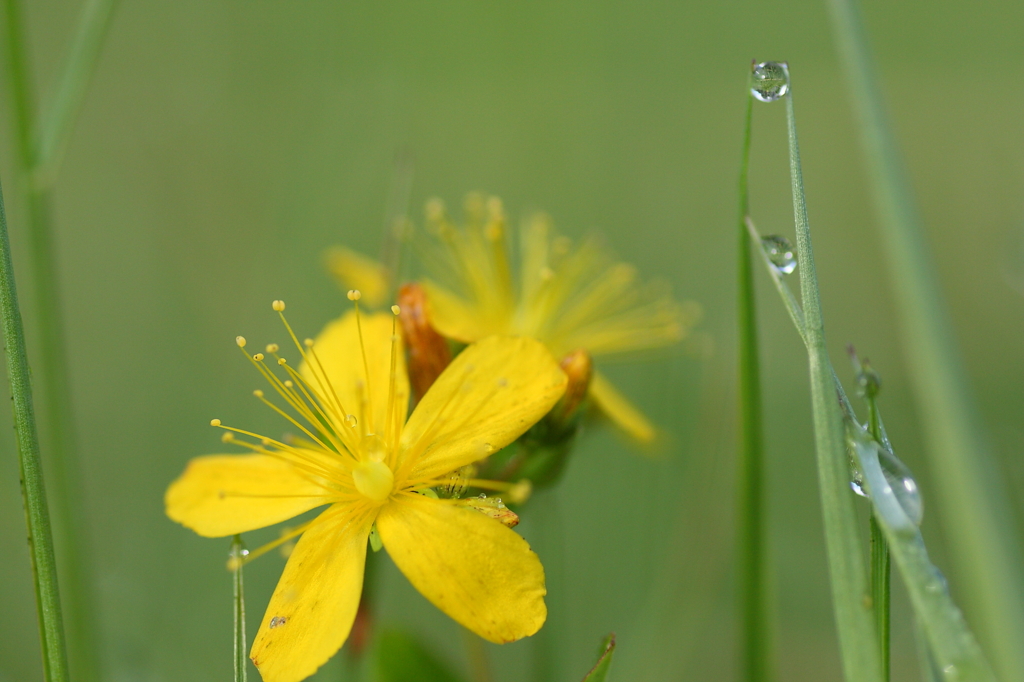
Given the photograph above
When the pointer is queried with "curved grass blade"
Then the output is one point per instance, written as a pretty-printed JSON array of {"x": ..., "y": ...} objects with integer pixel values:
[{"x": 850, "y": 591}]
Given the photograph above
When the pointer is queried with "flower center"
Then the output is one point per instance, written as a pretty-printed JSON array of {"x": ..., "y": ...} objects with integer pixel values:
[{"x": 373, "y": 479}]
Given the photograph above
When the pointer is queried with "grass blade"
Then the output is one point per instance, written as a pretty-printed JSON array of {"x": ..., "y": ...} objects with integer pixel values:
[
  {"x": 755, "y": 662},
  {"x": 857, "y": 637},
  {"x": 37, "y": 515},
  {"x": 983, "y": 545}
]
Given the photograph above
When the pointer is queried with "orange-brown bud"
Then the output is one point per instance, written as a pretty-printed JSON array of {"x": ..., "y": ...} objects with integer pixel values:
[
  {"x": 578, "y": 366},
  {"x": 428, "y": 351}
]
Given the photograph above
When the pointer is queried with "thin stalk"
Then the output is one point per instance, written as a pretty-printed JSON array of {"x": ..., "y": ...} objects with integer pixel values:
[
  {"x": 983, "y": 543},
  {"x": 755, "y": 646},
  {"x": 238, "y": 594},
  {"x": 58, "y": 119},
  {"x": 479, "y": 661},
  {"x": 880, "y": 591},
  {"x": 857, "y": 637},
  {"x": 880, "y": 571},
  {"x": 37, "y": 515},
  {"x": 52, "y": 370}
]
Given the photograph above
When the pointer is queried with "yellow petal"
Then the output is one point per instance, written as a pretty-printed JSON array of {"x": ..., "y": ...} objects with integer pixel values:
[
  {"x": 340, "y": 354},
  {"x": 220, "y": 495},
  {"x": 457, "y": 318},
  {"x": 356, "y": 271},
  {"x": 618, "y": 408},
  {"x": 491, "y": 393},
  {"x": 315, "y": 602},
  {"x": 476, "y": 570}
]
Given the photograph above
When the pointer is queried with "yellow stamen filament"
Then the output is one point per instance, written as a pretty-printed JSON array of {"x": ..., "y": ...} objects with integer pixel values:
[
  {"x": 234, "y": 563},
  {"x": 354, "y": 296}
]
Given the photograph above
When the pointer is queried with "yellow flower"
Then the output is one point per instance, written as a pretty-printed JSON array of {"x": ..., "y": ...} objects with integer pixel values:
[
  {"x": 360, "y": 456},
  {"x": 567, "y": 298}
]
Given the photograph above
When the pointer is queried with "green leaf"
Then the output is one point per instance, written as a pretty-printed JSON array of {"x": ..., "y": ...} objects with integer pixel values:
[
  {"x": 600, "y": 670},
  {"x": 401, "y": 658}
]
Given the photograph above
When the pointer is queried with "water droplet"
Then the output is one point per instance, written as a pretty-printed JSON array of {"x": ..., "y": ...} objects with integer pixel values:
[
  {"x": 770, "y": 81},
  {"x": 352, "y": 421},
  {"x": 858, "y": 487},
  {"x": 780, "y": 253},
  {"x": 891, "y": 483},
  {"x": 869, "y": 383},
  {"x": 277, "y": 621},
  {"x": 903, "y": 485},
  {"x": 951, "y": 673}
]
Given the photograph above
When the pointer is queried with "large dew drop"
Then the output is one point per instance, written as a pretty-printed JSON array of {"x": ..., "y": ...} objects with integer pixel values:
[
  {"x": 903, "y": 485},
  {"x": 770, "y": 81},
  {"x": 780, "y": 253},
  {"x": 891, "y": 484}
]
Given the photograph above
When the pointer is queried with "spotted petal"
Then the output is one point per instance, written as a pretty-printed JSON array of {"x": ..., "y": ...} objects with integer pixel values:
[
  {"x": 491, "y": 393},
  {"x": 221, "y": 495},
  {"x": 476, "y": 570},
  {"x": 315, "y": 602}
]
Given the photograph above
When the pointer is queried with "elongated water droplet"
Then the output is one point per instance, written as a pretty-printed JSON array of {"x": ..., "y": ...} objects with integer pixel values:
[
  {"x": 770, "y": 81},
  {"x": 895, "y": 487},
  {"x": 277, "y": 621},
  {"x": 903, "y": 485},
  {"x": 780, "y": 253}
]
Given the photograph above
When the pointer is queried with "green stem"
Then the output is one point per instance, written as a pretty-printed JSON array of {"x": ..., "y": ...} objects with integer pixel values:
[
  {"x": 983, "y": 544},
  {"x": 880, "y": 571},
  {"x": 58, "y": 120},
  {"x": 857, "y": 637},
  {"x": 52, "y": 370},
  {"x": 755, "y": 649},
  {"x": 37, "y": 515},
  {"x": 880, "y": 591},
  {"x": 238, "y": 593}
]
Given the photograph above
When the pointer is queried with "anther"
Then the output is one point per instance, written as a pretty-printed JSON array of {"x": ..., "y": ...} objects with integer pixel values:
[
  {"x": 214, "y": 422},
  {"x": 354, "y": 295},
  {"x": 227, "y": 437},
  {"x": 258, "y": 393},
  {"x": 265, "y": 442},
  {"x": 273, "y": 348},
  {"x": 308, "y": 343},
  {"x": 282, "y": 361},
  {"x": 288, "y": 383},
  {"x": 395, "y": 309},
  {"x": 258, "y": 357},
  {"x": 240, "y": 340},
  {"x": 278, "y": 306}
]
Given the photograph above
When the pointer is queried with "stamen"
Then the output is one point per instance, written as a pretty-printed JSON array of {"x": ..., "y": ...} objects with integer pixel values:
[
  {"x": 278, "y": 306},
  {"x": 240, "y": 340},
  {"x": 354, "y": 296},
  {"x": 235, "y": 562},
  {"x": 214, "y": 422},
  {"x": 272, "y": 348},
  {"x": 392, "y": 430}
]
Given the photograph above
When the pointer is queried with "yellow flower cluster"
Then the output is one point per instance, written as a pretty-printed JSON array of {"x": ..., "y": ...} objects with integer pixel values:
[{"x": 377, "y": 470}]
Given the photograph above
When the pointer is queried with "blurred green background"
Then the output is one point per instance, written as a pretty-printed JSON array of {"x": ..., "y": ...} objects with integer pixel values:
[{"x": 224, "y": 145}]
